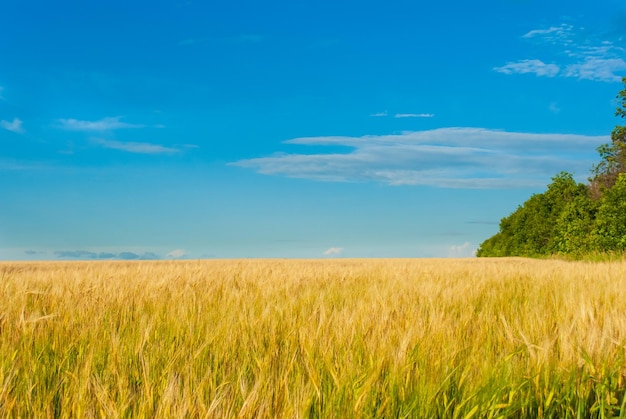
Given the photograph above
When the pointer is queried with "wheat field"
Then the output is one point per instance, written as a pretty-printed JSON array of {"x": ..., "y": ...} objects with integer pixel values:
[{"x": 455, "y": 338}]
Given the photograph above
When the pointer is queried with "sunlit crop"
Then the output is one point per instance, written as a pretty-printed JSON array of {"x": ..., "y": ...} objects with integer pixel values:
[{"x": 334, "y": 338}]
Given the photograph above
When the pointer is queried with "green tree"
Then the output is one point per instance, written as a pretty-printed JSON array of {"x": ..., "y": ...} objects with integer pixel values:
[
  {"x": 610, "y": 231},
  {"x": 531, "y": 229},
  {"x": 572, "y": 218},
  {"x": 574, "y": 231},
  {"x": 612, "y": 155}
]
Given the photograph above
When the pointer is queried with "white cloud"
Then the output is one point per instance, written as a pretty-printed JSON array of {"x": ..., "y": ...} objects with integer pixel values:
[
  {"x": 537, "y": 67},
  {"x": 133, "y": 147},
  {"x": 105, "y": 124},
  {"x": 580, "y": 55},
  {"x": 414, "y": 115},
  {"x": 598, "y": 69},
  {"x": 333, "y": 251},
  {"x": 537, "y": 32},
  {"x": 1, "y": 90},
  {"x": 445, "y": 157},
  {"x": 555, "y": 34},
  {"x": 13, "y": 126},
  {"x": 176, "y": 254},
  {"x": 404, "y": 115},
  {"x": 464, "y": 250}
]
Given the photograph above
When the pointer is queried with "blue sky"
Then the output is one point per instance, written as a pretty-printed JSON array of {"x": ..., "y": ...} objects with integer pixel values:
[{"x": 206, "y": 129}]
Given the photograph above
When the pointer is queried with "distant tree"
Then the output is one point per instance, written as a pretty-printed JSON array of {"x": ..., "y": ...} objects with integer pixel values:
[
  {"x": 575, "y": 228},
  {"x": 493, "y": 246},
  {"x": 571, "y": 218},
  {"x": 531, "y": 229},
  {"x": 613, "y": 155},
  {"x": 610, "y": 231}
]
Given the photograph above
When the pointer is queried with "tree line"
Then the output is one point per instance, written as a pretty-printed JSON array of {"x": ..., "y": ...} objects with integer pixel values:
[{"x": 570, "y": 218}]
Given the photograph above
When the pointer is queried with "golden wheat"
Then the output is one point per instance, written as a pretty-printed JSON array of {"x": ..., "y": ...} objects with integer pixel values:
[{"x": 339, "y": 338}]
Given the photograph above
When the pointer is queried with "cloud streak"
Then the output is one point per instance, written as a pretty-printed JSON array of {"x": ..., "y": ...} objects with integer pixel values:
[
  {"x": 86, "y": 254},
  {"x": 105, "y": 124},
  {"x": 134, "y": 147},
  {"x": 465, "y": 250},
  {"x": 600, "y": 69},
  {"x": 13, "y": 126},
  {"x": 555, "y": 35},
  {"x": 445, "y": 157},
  {"x": 403, "y": 115},
  {"x": 580, "y": 56},
  {"x": 537, "y": 67},
  {"x": 414, "y": 115},
  {"x": 176, "y": 254},
  {"x": 333, "y": 251}
]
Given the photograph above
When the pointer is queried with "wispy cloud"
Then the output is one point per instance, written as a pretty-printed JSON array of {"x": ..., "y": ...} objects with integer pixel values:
[
  {"x": 333, "y": 251},
  {"x": 414, "y": 115},
  {"x": 579, "y": 55},
  {"x": 464, "y": 250},
  {"x": 86, "y": 254},
  {"x": 133, "y": 147},
  {"x": 176, "y": 254},
  {"x": 556, "y": 35},
  {"x": 2, "y": 90},
  {"x": 600, "y": 69},
  {"x": 445, "y": 157},
  {"x": 537, "y": 67},
  {"x": 403, "y": 115},
  {"x": 13, "y": 126},
  {"x": 105, "y": 124}
]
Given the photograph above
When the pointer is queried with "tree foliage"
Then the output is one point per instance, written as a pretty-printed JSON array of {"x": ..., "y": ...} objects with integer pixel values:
[
  {"x": 534, "y": 228},
  {"x": 572, "y": 218},
  {"x": 610, "y": 231},
  {"x": 613, "y": 155}
]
